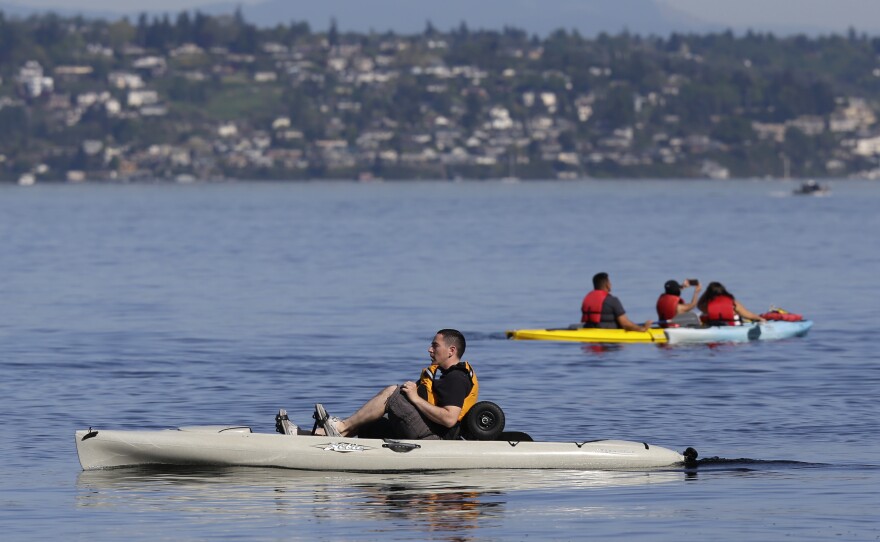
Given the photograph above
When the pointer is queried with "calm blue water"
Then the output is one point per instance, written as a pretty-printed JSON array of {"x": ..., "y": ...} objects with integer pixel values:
[{"x": 153, "y": 306}]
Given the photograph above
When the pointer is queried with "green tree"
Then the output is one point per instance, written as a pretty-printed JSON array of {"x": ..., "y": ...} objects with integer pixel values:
[
  {"x": 15, "y": 126},
  {"x": 616, "y": 109},
  {"x": 733, "y": 130}
]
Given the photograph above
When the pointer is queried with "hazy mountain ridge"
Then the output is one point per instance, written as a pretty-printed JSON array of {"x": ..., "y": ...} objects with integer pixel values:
[
  {"x": 612, "y": 16},
  {"x": 13, "y": 9},
  {"x": 406, "y": 16},
  {"x": 589, "y": 17}
]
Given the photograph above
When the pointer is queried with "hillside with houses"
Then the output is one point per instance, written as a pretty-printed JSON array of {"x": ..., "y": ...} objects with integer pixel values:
[{"x": 214, "y": 97}]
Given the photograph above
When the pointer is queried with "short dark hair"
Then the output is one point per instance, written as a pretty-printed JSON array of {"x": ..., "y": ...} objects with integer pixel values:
[
  {"x": 600, "y": 280},
  {"x": 672, "y": 287},
  {"x": 454, "y": 338}
]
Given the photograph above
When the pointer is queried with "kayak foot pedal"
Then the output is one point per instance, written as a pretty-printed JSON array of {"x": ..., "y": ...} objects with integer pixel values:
[{"x": 400, "y": 447}]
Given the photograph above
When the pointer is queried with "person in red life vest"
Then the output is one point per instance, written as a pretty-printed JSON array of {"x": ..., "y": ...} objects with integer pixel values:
[
  {"x": 719, "y": 307},
  {"x": 670, "y": 304},
  {"x": 601, "y": 309},
  {"x": 429, "y": 409}
]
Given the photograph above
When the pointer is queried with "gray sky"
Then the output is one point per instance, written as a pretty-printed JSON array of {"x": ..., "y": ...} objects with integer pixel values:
[
  {"x": 123, "y": 5},
  {"x": 834, "y": 14}
]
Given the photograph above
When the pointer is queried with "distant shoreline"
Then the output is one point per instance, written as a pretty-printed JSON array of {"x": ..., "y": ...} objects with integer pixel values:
[{"x": 202, "y": 97}]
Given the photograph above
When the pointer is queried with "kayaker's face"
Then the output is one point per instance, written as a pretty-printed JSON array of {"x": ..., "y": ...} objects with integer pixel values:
[{"x": 439, "y": 350}]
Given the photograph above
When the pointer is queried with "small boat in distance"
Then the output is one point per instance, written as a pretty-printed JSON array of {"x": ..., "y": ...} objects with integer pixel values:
[{"x": 811, "y": 188}]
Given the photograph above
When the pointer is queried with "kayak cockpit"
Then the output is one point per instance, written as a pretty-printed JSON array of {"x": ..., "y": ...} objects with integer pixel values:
[{"x": 215, "y": 429}]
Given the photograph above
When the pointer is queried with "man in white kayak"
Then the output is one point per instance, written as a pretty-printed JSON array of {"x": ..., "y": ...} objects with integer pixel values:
[{"x": 429, "y": 409}]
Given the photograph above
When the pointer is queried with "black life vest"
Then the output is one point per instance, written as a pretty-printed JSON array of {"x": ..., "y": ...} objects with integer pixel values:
[{"x": 426, "y": 385}]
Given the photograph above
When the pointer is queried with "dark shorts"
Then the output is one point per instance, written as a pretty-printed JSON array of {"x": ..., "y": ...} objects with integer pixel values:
[{"x": 406, "y": 422}]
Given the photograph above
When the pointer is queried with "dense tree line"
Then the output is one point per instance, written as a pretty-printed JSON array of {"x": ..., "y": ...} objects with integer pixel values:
[{"x": 783, "y": 78}]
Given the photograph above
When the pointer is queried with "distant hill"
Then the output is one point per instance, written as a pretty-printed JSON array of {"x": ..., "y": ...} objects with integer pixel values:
[
  {"x": 18, "y": 10},
  {"x": 541, "y": 17}
]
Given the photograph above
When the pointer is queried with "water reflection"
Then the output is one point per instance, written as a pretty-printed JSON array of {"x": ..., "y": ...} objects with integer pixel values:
[
  {"x": 450, "y": 502},
  {"x": 600, "y": 348}
]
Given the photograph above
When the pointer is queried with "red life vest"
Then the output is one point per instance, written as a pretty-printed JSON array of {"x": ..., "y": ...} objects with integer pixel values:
[
  {"x": 720, "y": 311},
  {"x": 667, "y": 306},
  {"x": 591, "y": 308}
]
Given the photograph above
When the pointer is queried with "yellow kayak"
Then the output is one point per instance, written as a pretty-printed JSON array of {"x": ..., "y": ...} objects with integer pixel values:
[{"x": 589, "y": 335}]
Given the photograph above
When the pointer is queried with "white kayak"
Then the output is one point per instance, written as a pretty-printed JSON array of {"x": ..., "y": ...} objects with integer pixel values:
[
  {"x": 222, "y": 446},
  {"x": 768, "y": 331}
]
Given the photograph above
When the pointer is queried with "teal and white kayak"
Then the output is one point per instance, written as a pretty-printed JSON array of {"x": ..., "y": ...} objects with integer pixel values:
[
  {"x": 223, "y": 446},
  {"x": 768, "y": 331},
  {"x": 771, "y": 330}
]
